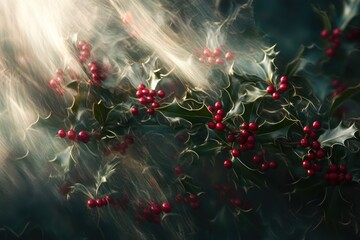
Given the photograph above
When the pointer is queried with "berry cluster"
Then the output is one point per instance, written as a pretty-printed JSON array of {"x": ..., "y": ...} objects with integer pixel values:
[
  {"x": 219, "y": 114},
  {"x": 152, "y": 212},
  {"x": 259, "y": 158},
  {"x": 84, "y": 49},
  {"x": 338, "y": 87},
  {"x": 57, "y": 81},
  {"x": 82, "y": 136},
  {"x": 100, "y": 202},
  {"x": 148, "y": 98},
  {"x": 245, "y": 137},
  {"x": 97, "y": 73},
  {"x": 283, "y": 87},
  {"x": 334, "y": 38},
  {"x": 315, "y": 152},
  {"x": 216, "y": 56},
  {"x": 192, "y": 199},
  {"x": 337, "y": 174},
  {"x": 122, "y": 146}
]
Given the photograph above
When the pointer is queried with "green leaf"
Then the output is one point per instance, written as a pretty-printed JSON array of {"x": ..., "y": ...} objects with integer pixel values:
[
  {"x": 193, "y": 115},
  {"x": 100, "y": 112},
  {"x": 337, "y": 135},
  {"x": 249, "y": 175},
  {"x": 348, "y": 93},
  {"x": 267, "y": 128},
  {"x": 189, "y": 185},
  {"x": 324, "y": 17},
  {"x": 64, "y": 158},
  {"x": 350, "y": 10}
]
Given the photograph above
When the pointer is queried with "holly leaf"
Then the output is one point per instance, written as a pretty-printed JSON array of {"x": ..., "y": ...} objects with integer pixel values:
[
  {"x": 337, "y": 135},
  {"x": 267, "y": 127},
  {"x": 193, "y": 115},
  {"x": 100, "y": 112},
  {"x": 348, "y": 93},
  {"x": 64, "y": 158},
  {"x": 350, "y": 10},
  {"x": 189, "y": 185}
]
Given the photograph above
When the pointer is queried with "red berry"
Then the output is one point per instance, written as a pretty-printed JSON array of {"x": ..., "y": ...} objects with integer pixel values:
[
  {"x": 264, "y": 166},
  {"x": 235, "y": 152},
  {"x": 229, "y": 55},
  {"x": 109, "y": 199},
  {"x": 342, "y": 168},
  {"x": 250, "y": 140},
  {"x": 324, "y": 33},
  {"x": 53, "y": 84},
  {"x": 317, "y": 168},
  {"x": 231, "y": 138},
  {"x": 211, "y": 125},
  {"x": 218, "y": 105},
  {"x": 304, "y": 142},
  {"x": 80, "y": 44},
  {"x": 283, "y": 87},
  {"x": 195, "y": 205},
  {"x": 161, "y": 93},
  {"x": 62, "y": 133},
  {"x": 313, "y": 135},
  {"x": 211, "y": 109},
  {"x": 155, "y": 105},
  {"x": 217, "y": 52},
  {"x": 219, "y": 126},
  {"x": 134, "y": 111},
  {"x": 333, "y": 177},
  {"x": 220, "y": 112},
  {"x": 166, "y": 207},
  {"x": 193, "y": 198},
  {"x": 228, "y": 164},
  {"x": 337, "y": 32},
  {"x": 149, "y": 99},
  {"x": 201, "y": 59},
  {"x": 245, "y": 126},
  {"x": 310, "y": 155},
  {"x": 284, "y": 79},
  {"x": 341, "y": 177},
  {"x": 330, "y": 52},
  {"x": 83, "y": 136},
  {"x": 306, "y": 164},
  {"x": 307, "y": 129},
  {"x": 270, "y": 89},
  {"x": 316, "y": 125},
  {"x": 71, "y": 134},
  {"x": 150, "y": 111},
  {"x": 253, "y": 126},
  {"x": 143, "y": 100},
  {"x": 101, "y": 202},
  {"x": 178, "y": 198},
  {"x": 311, "y": 172},
  {"x": 335, "y": 83},
  {"x": 155, "y": 208},
  {"x": 332, "y": 168},
  {"x": 256, "y": 159},
  {"x": 321, "y": 153},
  {"x": 210, "y": 60},
  {"x": 348, "y": 177},
  {"x": 244, "y": 133},
  {"x": 219, "y": 61},
  {"x": 218, "y": 118},
  {"x": 86, "y": 47},
  {"x": 207, "y": 52},
  {"x": 152, "y": 93},
  {"x": 315, "y": 145},
  {"x": 91, "y": 203},
  {"x": 141, "y": 87},
  {"x": 276, "y": 95},
  {"x": 94, "y": 69},
  {"x": 273, "y": 164},
  {"x": 145, "y": 91},
  {"x": 178, "y": 170}
]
